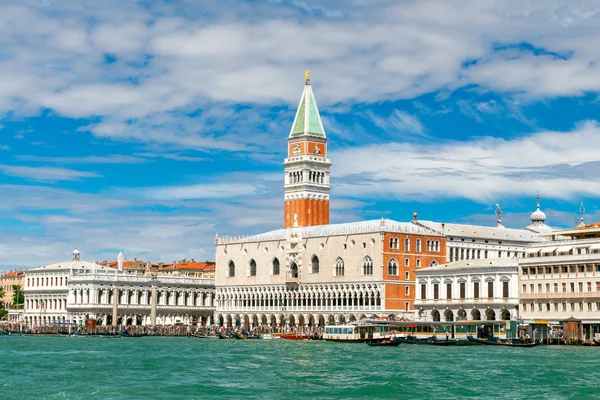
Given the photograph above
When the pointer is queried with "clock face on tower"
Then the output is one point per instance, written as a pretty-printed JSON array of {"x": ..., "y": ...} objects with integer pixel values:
[
  {"x": 316, "y": 150},
  {"x": 296, "y": 150}
]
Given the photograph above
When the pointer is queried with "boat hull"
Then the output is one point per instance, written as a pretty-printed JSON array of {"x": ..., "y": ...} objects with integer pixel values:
[{"x": 501, "y": 343}]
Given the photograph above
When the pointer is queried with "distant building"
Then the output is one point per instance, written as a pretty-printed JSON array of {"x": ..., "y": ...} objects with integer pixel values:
[
  {"x": 484, "y": 289},
  {"x": 560, "y": 279},
  {"x": 76, "y": 290},
  {"x": 476, "y": 242},
  {"x": 7, "y": 281}
]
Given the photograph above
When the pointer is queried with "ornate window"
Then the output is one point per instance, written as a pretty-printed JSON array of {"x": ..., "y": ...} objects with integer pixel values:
[
  {"x": 315, "y": 265},
  {"x": 407, "y": 244},
  {"x": 433, "y": 263},
  {"x": 394, "y": 243},
  {"x": 276, "y": 266},
  {"x": 294, "y": 270},
  {"x": 368, "y": 266},
  {"x": 418, "y": 245},
  {"x": 231, "y": 268},
  {"x": 252, "y": 271},
  {"x": 393, "y": 267},
  {"x": 339, "y": 267}
]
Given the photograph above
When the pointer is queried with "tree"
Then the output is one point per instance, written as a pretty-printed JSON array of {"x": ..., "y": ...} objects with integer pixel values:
[
  {"x": 18, "y": 296},
  {"x": 3, "y": 312}
]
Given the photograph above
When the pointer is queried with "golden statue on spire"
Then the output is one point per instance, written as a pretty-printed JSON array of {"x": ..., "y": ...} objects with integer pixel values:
[{"x": 307, "y": 75}]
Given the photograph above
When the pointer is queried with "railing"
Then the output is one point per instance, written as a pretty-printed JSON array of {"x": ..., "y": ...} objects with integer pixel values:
[
  {"x": 141, "y": 279},
  {"x": 560, "y": 259},
  {"x": 559, "y": 295},
  {"x": 481, "y": 300},
  {"x": 137, "y": 306},
  {"x": 319, "y": 310}
]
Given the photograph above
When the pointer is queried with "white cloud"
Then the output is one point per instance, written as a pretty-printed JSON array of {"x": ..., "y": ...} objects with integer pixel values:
[
  {"x": 169, "y": 62},
  {"x": 46, "y": 174},
  {"x": 560, "y": 164}
]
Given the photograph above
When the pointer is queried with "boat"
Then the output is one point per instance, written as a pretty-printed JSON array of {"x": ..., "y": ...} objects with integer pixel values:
[
  {"x": 431, "y": 341},
  {"x": 124, "y": 334},
  {"x": 206, "y": 337},
  {"x": 385, "y": 342},
  {"x": 295, "y": 336},
  {"x": 221, "y": 336},
  {"x": 269, "y": 336},
  {"x": 240, "y": 336},
  {"x": 506, "y": 343}
]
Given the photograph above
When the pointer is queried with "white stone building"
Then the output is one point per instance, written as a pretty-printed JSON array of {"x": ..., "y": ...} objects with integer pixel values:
[
  {"x": 47, "y": 291},
  {"x": 560, "y": 279},
  {"x": 475, "y": 242},
  {"x": 129, "y": 299},
  {"x": 76, "y": 290},
  {"x": 322, "y": 274},
  {"x": 468, "y": 290}
]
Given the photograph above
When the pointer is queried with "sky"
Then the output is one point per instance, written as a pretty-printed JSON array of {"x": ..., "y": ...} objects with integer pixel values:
[{"x": 150, "y": 126}]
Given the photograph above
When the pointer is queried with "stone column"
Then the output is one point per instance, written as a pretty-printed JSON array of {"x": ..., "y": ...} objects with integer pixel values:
[
  {"x": 115, "y": 305},
  {"x": 153, "y": 307}
]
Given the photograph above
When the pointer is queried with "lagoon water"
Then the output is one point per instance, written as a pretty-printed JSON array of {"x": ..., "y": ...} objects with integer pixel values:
[{"x": 182, "y": 368}]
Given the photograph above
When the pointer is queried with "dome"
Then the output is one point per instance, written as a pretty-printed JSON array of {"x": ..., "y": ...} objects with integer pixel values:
[
  {"x": 75, "y": 251},
  {"x": 538, "y": 215}
]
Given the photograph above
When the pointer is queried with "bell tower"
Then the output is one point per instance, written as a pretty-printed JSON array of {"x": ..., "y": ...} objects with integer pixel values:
[{"x": 306, "y": 189}]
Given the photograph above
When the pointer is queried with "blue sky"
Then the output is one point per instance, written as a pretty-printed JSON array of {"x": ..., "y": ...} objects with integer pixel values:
[{"x": 150, "y": 126}]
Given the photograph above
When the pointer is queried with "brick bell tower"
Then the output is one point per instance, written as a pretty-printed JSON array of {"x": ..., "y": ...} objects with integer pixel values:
[{"x": 306, "y": 188}]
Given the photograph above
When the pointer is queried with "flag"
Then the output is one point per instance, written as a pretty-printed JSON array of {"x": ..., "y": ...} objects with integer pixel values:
[
  {"x": 282, "y": 306},
  {"x": 38, "y": 303}
]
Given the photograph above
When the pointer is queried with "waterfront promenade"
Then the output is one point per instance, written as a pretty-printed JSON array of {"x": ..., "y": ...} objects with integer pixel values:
[{"x": 175, "y": 368}]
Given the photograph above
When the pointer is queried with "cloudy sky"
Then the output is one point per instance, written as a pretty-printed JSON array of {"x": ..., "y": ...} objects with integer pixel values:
[{"x": 149, "y": 126}]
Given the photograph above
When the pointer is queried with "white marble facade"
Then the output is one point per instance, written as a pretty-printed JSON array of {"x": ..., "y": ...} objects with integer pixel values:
[{"x": 468, "y": 290}]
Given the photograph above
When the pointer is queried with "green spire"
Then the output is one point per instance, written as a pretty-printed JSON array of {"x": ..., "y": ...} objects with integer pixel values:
[{"x": 308, "y": 120}]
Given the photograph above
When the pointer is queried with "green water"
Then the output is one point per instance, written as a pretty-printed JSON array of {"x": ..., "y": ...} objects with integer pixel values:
[{"x": 181, "y": 368}]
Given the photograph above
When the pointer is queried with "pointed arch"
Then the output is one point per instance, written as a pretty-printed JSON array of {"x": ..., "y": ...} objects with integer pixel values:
[
  {"x": 406, "y": 244},
  {"x": 418, "y": 245},
  {"x": 393, "y": 267},
  {"x": 368, "y": 266},
  {"x": 276, "y": 266},
  {"x": 433, "y": 263},
  {"x": 314, "y": 264},
  {"x": 231, "y": 269},
  {"x": 294, "y": 270},
  {"x": 252, "y": 268},
  {"x": 339, "y": 267}
]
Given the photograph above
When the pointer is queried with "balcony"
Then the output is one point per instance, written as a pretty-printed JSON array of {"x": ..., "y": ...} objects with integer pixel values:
[
  {"x": 560, "y": 295},
  {"x": 560, "y": 259}
]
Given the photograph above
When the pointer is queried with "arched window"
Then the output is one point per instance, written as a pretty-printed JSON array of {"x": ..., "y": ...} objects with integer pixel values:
[
  {"x": 391, "y": 243},
  {"x": 393, "y": 267},
  {"x": 433, "y": 263},
  {"x": 231, "y": 269},
  {"x": 418, "y": 245},
  {"x": 275, "y": 266},
  {"x": 437, "y": 245},
  {"x": 339, "y": 267},
  {"x": 407, "y": 244},
  {"x": 252, "y": 267},
  {"x": 315, "y": 265},
  {"x": 294, "y": 270},
  {"x": 428, "y": 245},
  {"x": 368, "y": 266}
]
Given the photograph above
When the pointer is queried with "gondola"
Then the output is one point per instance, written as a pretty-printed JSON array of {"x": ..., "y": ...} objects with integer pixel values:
[
  {"x": 505, "y": 343},
  {"x": 240, "y": 336},
  {"x": 206, "y": 337},
  {"x": 133, "y": 334},
  {"x": 385, "y": 342},
  {"x": 431, "y": 341},
  {"x": 221, "y": 336}
]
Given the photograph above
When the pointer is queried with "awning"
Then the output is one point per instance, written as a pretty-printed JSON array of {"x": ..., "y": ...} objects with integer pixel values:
[
  {"x": 595, "y": 246},
  {"x": 564, "y": 249},
  {"x": 534, "y": 251},
  {"x": 548, "y": 250}
]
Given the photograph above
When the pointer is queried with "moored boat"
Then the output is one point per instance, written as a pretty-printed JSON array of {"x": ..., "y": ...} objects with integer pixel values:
[
  {"x": 240, "y": 336},
  {"x": 506, "y": 343},
  {"x": 124, "y": 334},
  {"x": 295, "y": 336},
  {"x": 385, "y": 342}
]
